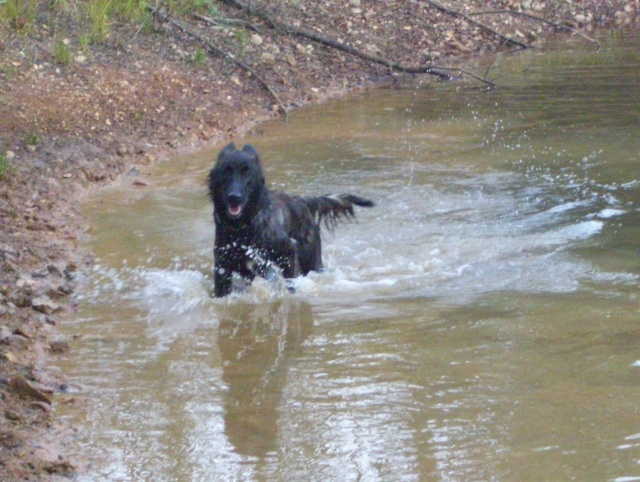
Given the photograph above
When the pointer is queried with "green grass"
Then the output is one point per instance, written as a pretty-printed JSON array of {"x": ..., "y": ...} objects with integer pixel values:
[
  {"x": 19, "y": 13},
  {"x": 31, "y": 139},
  {"x": 5, "y": 166},
  {"x": 84, "y": 40},
  {"x": 200, "y": 57},
  {"x": 9, "y": 71},
  {"x": 129, "y": 10},
  {"x": 98, "y": 16},
  {"x": 242, "y": 38},
  {"x": 62, "y": 53},
  {"x": 183, "y": 7}
]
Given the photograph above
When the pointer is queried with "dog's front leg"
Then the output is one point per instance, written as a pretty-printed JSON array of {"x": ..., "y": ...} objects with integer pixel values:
[
  {"x": 294, "y": 262},
  {"x": 222, "y": 271},
  {"x": 288, "y": 258},
  {"x": 221, "y": 281}
]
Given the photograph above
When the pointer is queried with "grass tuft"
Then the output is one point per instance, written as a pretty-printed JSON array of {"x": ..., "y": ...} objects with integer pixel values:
[
  {"x": 5, "y": 166},
  {"x": 62, "y": 53},
  {"x": 19, "y": 13},
  {"x": 200, "y": 57},
  {"x": 99, "y": 12}
]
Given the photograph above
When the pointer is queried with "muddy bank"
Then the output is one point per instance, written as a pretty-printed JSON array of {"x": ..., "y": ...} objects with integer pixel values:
[{"x": 71, "y": 124}]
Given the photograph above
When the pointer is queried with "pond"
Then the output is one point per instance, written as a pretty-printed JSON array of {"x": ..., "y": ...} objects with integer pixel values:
[{"x": 482, "y": 322}]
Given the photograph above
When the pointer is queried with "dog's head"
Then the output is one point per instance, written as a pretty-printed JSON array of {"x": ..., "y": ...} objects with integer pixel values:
[{"x": 236, "y": 183}]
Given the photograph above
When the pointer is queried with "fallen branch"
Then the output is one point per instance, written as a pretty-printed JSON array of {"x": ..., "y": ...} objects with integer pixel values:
[
  {"x": 558, "y": 26},
  {"x": 218, "y": 51},
  {"x": 225, "y": 21},
  {"x": 316, "y": 37},
  {"x": 466, "y": 17}
]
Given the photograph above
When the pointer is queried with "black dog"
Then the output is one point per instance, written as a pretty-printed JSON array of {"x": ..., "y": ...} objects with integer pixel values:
[{"x": 260, "y": 231}]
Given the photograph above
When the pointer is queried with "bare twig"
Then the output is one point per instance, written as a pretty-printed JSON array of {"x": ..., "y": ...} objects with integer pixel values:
[
  {"x": 466, "y": 17},
  {"x": 559, "y": 26},
  {"x": 218, "y": 51},
  {"x": 397, "y": 66},
  {"x": 226, "y": 21}
]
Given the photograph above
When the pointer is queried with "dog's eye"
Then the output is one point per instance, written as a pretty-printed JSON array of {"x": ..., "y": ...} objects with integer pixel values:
[{"x": 244, "y": 169}]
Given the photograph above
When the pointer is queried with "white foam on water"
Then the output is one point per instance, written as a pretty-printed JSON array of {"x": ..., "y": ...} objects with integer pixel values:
[
  {"x": 164, "y": 302},
  {"x": 459, "y": 243},
  {"x": 175, "y": 292},
  {"x": 610, "y": 213},
  {"x": 172, "y": 300}
]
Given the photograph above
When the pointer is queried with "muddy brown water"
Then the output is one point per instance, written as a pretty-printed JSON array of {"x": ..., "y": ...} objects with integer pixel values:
[{"x": 481, "y": 323}]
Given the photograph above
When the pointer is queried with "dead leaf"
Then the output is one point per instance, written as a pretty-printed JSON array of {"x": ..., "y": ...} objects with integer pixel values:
[
  {"x": 10, "y": 357},
  {"x": 26, "y": 389}
]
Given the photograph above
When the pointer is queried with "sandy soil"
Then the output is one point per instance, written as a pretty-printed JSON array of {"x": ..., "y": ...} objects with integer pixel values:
[{"x": 74, "y": 117}]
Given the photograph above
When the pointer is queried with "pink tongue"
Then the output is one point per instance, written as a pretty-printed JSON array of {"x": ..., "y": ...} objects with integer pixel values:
[{"x": 235, "y": 210}]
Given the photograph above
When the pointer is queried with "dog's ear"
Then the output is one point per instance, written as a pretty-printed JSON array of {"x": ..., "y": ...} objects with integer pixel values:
[
  {"x": 228, "y": 149},
  {"x": 251, "y": 152}
]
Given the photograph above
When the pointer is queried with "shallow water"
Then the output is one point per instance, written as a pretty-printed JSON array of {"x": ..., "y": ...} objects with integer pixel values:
[{"x": 480, "y": 323}]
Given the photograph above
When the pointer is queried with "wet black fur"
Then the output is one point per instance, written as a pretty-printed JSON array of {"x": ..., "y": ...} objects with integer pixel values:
[{"x": 257, "y": 228}]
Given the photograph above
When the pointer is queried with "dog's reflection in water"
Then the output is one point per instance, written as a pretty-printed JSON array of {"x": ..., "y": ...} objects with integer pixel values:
[{"x": 257, "y": 343}]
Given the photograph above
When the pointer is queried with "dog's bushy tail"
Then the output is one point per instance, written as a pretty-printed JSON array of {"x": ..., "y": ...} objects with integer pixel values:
[{"x": 331, "y": 208}]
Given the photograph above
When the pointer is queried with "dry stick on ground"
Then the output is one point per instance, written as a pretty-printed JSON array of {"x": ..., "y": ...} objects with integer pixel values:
[
  {"x": 429, "y": 69},
  {"x": 539, "y": 19},
  {"x": 225, "y": 21},
  {"x": 218, "y": 51},
  {"x": 466, "y": 17}
]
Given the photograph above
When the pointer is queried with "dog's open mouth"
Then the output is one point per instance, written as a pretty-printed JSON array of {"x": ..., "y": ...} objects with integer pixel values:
[{"x": 234, "y": 210}]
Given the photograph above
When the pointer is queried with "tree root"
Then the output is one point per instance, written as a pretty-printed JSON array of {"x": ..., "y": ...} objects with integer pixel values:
[
  {"x": 466, "y": 17},
  {"x": 393, "y": 66},
  {"x": 539, "y": 19}
]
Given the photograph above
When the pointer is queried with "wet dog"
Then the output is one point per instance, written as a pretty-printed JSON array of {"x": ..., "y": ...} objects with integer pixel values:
[{"x": 260, "y": 232}]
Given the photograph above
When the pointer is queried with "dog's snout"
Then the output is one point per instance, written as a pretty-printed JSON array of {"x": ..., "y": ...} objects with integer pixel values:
[
  {"x": 235, "y": 191},
  {"x": 234, "y": 197}
]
